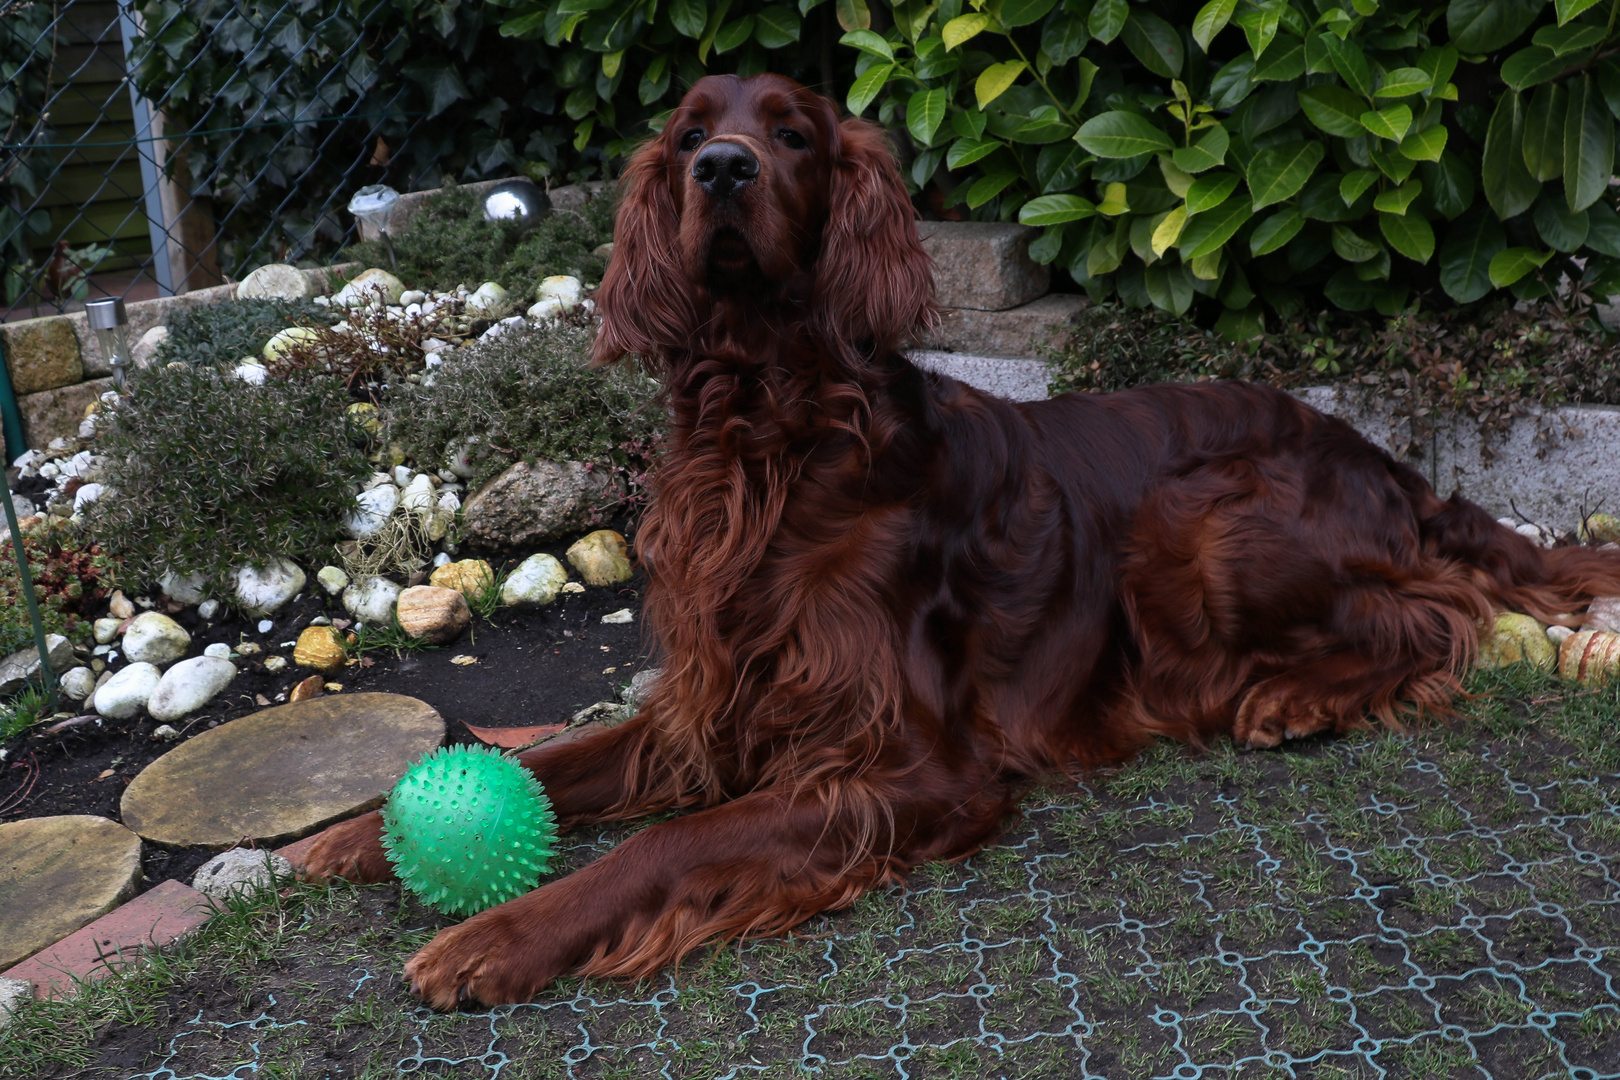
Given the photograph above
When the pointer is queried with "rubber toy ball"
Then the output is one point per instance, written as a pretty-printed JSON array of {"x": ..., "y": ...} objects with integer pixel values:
[{"x": 468, "y": 828}]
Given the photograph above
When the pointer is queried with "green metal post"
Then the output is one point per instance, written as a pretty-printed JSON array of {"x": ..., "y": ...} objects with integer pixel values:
[{"x": 15, "y": 447}]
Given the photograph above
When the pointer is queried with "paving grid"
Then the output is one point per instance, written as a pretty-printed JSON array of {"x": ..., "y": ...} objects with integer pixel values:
[{"x": 1433, "y": 905}]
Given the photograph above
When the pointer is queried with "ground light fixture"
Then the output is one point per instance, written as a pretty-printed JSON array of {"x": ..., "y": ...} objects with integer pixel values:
[
  {"x": 374, "y": 205},
  {"x": 517, "y": 200},
  {"x": 111, "y": 323}
]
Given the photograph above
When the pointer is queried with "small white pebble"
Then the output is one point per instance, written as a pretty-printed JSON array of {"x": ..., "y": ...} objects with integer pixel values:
[
  {"x": 623, "y": 615},
  {"x": 208, "y": 609},
  {"x": 219, "y": 649},
  {"x": 289, "y": 644},
  {"x": 165, "y": 732},
  {"x": 442, "y": 559},
  {"x": 274, "y": 664},
  {"x": 1558, "y": 634},
  {"x": 265, "y": 625},
  {"x": 320, "y": 620}
]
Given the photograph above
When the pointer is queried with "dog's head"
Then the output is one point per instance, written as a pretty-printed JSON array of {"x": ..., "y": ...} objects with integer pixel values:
[{"x": 755, "y": 190}]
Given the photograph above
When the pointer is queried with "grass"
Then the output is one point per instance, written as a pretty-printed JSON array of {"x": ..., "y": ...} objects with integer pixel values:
[
  {"x": 23, "y": 710},
  {"x": 1436, "y": 904}
]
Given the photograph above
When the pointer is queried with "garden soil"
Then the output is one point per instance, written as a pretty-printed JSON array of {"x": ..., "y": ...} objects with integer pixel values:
[{"x": 529, "y": 666}]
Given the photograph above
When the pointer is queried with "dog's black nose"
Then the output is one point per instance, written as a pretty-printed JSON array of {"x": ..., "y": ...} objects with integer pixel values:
[{"x": 724, "y": 168}]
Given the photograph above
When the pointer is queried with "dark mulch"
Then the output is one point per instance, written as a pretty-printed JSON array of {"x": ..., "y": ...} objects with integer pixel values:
[{"x": 533, "y": 666}]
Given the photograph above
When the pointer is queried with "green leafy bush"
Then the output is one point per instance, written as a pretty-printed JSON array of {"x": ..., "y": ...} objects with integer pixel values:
[
  {"x": 1261, "y": 154},
  {"x": 206, "y": 473},
  {"x": 448, "y": 242},
  {"x": 226, "y": 333},
  {"x": 527, "y": 395}
]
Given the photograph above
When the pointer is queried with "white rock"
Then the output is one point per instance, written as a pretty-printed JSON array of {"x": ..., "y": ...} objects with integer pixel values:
[
  {"x": 376, "y": 479},
  {"x": 263, "y": 590},
  {"x": 623, "y": 615},
  {"x": 412, "y": 296},
  {"x": 265, "y": 625},
  {"x": 373, "y": 284},
  {"x": 242, "y": 871},
  {"x": 460, "y": 463},
  {"x": 275, "y": 664},
  {"x": 537, "y": 580},
  {"x": 562, "y": 287},
  {"x": 372, "y": 600},
  {"x": 1539, "y": 533},
  {"x": 77, "y": 465},
  {"x": 144, "y": 352},
  {"x": 253, "y": 374},
  {"x": 219, "y": 649},
  {"x": 488, "y": 299},
  {"x": 78, "y": 683},
  {"x": 13, "y": 994},
  {"x": 50, "y": 470},
  {"x": 1557, "y": 634},
  {"x": 418, "y": 496},
  {"x": 332, "y": 579},
  {"x": 154, "y": 638},
  {"x": 443, "y": 558},
  {"x": 106, "y": 630},
  {"x": 188, "y": 686},
  {"x": 373, "y": 509},
  {"x": 208, "y": 609},
  {"x": 86, "y": 495},
  {"x": 23, "y": 665},
  {"x": 402, "y": 476},
  {"x": 183, "y": 588},
  {"x": 289, "y": 338},
  {"x": 640, "y": 683},
  {"x": 127, "y": 692},
  {"x": 276, "y": 281},
  {"x": 166, "y": 732},
  {"x": 546, "y": 310}
]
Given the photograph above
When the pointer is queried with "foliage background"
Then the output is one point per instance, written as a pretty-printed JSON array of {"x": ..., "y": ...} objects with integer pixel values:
[{"x": 1252, "y": 156}]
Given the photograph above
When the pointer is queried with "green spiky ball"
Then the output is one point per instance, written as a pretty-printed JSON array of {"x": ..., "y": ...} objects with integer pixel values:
[{"x": 468, "y": 828}]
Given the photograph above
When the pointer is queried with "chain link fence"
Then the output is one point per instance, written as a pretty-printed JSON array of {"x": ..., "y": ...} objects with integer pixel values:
[{"x": 152, "y": 147}]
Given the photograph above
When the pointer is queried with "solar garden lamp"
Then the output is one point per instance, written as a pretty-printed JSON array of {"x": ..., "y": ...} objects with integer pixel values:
[
  {"x": 111, "y": 324},
  {"x": 374, "y": 205}
]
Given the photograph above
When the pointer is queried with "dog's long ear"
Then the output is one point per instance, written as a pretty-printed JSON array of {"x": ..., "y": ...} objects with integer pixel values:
[
  {"x": 644, "y": 301},
  {"x": 874, "y": 281}
]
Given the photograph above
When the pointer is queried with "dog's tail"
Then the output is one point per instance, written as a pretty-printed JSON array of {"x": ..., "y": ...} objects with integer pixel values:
[{"x": 1552, "y": 584}]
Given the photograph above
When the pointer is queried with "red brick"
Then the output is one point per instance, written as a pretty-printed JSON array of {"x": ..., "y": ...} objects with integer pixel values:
[{"x": 162, "y": 915}]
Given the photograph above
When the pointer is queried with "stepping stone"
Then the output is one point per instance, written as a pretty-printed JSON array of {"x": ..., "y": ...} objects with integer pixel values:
[
  {"x": 281, "y": 773},
  {"x": 114, "y": 942},
  {"x": 58, "y": 873}
]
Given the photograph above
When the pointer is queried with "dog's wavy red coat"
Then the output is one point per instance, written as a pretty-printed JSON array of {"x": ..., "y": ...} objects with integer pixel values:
[{"x": 887, "y": 601}]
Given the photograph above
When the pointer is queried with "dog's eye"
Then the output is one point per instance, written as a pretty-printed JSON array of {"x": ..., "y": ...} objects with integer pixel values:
[
  {"x": 692, "y": 139},
  {"x": 792, "y": 138}
]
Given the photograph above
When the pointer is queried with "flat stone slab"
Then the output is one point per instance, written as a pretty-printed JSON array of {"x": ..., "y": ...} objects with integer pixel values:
[
  {"x": 58, "y": 873},
  {"x": 1015, "y": 380},
  {"x": 281, "y": 773},
  {"x": 114, "y": 942}
]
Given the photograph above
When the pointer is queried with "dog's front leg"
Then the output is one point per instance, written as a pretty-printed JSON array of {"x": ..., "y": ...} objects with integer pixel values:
[
  {"x": 758, "y": 865},
  {"x": 585, "y": 777}
]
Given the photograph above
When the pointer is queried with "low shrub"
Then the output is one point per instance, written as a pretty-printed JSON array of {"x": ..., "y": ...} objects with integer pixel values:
[
  {"x": 1488, "y": 361},
  {"x": 213, "y": 334},
  {"x": 68, "y": 579},
  {"x": 448, "y": 243},
  {"x": 205, "y": 473},
  {"x": 527, "y": 395}
]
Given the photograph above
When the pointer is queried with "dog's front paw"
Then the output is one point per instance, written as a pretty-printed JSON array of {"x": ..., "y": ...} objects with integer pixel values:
[
  {"x": 488, "y": 959},
  {"x": 351, "y": 849},
  {"x": 1272, "y": 712}
]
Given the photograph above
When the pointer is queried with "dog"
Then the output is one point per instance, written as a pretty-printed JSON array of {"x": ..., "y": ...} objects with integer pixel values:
[{"x": 888, "y": 603}]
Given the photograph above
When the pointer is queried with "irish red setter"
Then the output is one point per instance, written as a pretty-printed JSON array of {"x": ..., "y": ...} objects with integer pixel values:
[{"x": 888, "y": 602}]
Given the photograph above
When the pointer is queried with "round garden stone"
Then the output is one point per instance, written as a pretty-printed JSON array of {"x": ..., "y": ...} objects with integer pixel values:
[
  {"x": 154, "y": 638},
  {"x": 281, "y": 773},
  {"x": 59, "y": 873},
  {"x": 188, "y": 686}
]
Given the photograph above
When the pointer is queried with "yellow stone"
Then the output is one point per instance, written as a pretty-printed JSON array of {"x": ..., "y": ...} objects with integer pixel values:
[
  {"x": 1517, "y": 639},
  {"x": 319, "y": 648},
  {"x": 364, "y": 416},
  {"x": 469, "y": 577},
  {"x": 1600, "y": 529},
  {"x": 601, "y": 557},
  {"x": 59, "y": 873},
  {"x": 41, "y": 354},
  {"x": 281, "y": 773}
]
